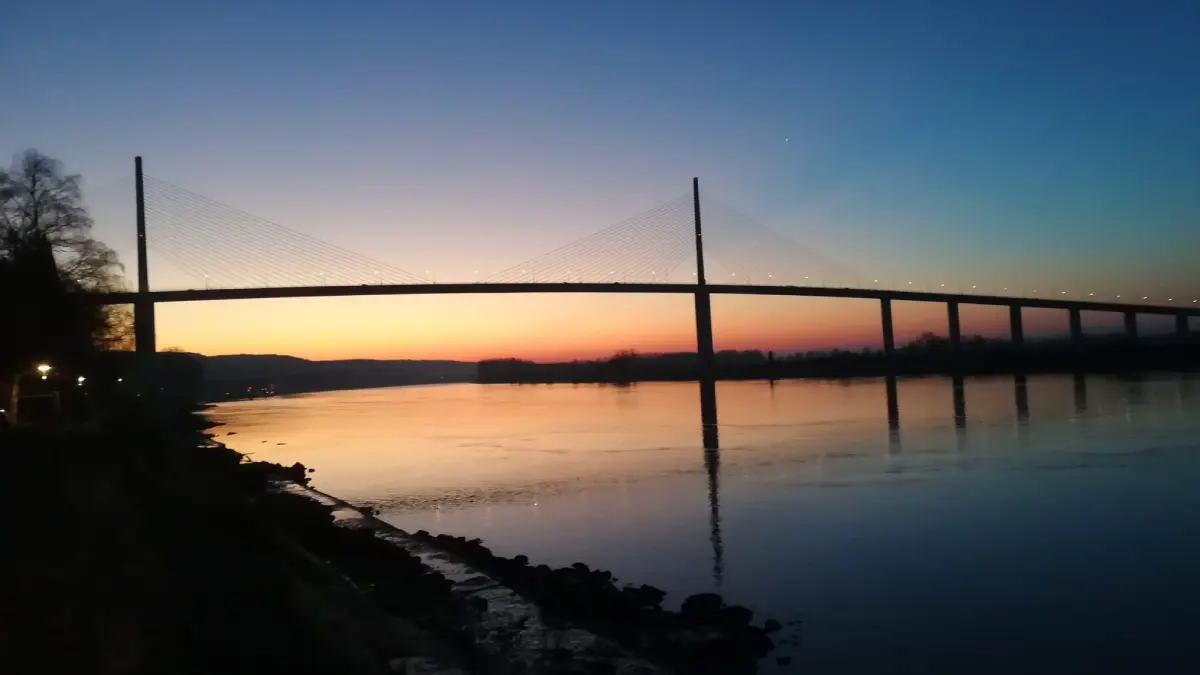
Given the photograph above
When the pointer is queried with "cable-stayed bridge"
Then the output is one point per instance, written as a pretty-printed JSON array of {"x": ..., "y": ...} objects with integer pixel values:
[{"x": 231, "y": 255}]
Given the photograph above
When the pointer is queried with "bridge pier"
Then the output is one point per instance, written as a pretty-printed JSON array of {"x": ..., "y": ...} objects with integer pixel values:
[
  {"x": 1131, "y": 327},
  {"x": 1017, "y": 328},
  {"x": 1181, "y": 324},
  {"x": 1076, "y": 325},
  {"x": 889, "y": 336},
  {"x": 955, "y": 328},
  {"x": 145, "y": 340}
]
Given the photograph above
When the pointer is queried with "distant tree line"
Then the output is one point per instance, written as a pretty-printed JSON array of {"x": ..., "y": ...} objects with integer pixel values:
[{"x": 927, "y": 354}]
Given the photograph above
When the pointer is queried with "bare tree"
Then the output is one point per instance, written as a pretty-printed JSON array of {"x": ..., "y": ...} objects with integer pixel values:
[
  {"x": 48, "y": 260},
  {"x": 39, "y": 201}
]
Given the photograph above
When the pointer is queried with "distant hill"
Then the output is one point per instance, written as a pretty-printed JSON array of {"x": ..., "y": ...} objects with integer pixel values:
[{"x": 248, "y": 375}]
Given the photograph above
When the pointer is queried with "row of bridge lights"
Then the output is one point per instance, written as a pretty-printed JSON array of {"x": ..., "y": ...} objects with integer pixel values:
[
  {"x": 654, "y": 277},
  {"x": 1090, "y": 295}
]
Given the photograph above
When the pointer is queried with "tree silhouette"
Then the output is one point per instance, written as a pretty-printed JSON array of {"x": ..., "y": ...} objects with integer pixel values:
[{"x": 48, "y": 261}]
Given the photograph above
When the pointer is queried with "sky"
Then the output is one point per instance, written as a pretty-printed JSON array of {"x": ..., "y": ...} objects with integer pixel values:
[{"x": 1020, "y": 144}]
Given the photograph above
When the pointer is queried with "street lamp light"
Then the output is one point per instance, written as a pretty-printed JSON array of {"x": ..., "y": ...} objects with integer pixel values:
[{"x": 42, "y": 368}]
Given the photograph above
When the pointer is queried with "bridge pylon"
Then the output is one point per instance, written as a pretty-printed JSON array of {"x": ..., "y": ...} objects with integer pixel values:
[
  {"x": 704, "y": 337},
  {"x": 143, "y": 307}
]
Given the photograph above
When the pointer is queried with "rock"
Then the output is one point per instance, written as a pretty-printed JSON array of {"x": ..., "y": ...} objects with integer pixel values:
[
  {"x": 702, "y": 606},
  {"x": 419, "y": 665},
  {"x": 738, "y": 616},
  {"x": 700, "y": 637},
  {"x": 656, "y": 595},
  {"x": 772, "y": 626}
]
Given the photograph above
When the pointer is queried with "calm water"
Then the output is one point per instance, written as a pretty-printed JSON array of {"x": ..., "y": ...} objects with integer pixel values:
[{"x": 1047, "y": 528}]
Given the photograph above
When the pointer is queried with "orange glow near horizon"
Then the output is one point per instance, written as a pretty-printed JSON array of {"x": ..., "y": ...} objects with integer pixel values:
[{"x": 553, "y": 327}]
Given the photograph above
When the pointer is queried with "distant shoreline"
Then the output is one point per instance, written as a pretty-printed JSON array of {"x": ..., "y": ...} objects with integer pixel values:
[{"x": 928, "y": 355}]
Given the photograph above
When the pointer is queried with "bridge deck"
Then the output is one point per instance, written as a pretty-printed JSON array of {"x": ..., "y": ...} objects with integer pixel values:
[{"x": 722, "y": 289}]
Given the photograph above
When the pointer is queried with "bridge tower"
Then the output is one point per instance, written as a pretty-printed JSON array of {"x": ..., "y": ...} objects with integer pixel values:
[
  {"x": 704, "y": 337},
  {"x": 143, "y": 307}
]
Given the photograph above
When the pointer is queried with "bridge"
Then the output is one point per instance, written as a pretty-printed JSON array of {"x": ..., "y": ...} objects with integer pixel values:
[{"x": 211, "y": 241}]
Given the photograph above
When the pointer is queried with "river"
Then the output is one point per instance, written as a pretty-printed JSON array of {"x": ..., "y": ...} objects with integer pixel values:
[{"x": 994, "y": 525}]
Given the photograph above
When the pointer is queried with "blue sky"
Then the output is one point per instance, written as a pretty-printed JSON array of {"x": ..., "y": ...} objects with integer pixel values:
[{"x": 979, "y": 142}]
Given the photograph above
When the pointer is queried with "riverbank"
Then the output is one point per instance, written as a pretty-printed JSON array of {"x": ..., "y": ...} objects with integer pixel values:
[
  {"x": 142, "y": 546},
  {"x": 929, "y": 355}
]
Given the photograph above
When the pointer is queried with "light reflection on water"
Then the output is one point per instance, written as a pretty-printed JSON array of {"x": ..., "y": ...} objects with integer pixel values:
[{"x": 986, "y": 525}]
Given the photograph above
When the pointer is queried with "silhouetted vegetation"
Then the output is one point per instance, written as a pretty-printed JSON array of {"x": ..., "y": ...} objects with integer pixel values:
[
  {"x": 48, "y": 260},
  {"x": 928, "y": 354}
]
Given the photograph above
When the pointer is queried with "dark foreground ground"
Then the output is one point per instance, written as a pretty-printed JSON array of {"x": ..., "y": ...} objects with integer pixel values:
[{"x": 136, "y": 546}]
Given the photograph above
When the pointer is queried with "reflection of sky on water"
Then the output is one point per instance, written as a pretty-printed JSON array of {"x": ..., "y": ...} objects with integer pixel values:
[{"x": 1045, "y": 528}]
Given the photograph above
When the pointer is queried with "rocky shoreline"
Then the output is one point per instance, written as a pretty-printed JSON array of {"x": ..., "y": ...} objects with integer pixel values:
[
  {"x": 521, "y": 618},
  {"x": 153, "y": 548}
]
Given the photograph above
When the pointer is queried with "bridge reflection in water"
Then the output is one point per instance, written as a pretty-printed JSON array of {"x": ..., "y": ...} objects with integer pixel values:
[{"x": 710, "y": 433}]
